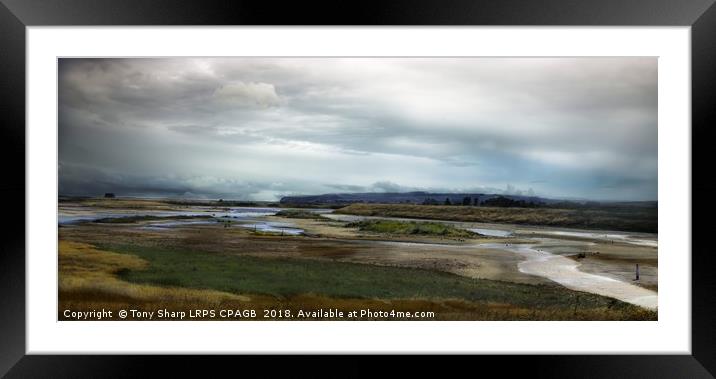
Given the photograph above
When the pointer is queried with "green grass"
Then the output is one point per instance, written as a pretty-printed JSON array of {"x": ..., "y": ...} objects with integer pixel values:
[
  {"x": 300, "y": 213},
  {"x": 411, "y": 228},
  {"x": 134, "y": 219},
  {"x": 287, "y": 277}
]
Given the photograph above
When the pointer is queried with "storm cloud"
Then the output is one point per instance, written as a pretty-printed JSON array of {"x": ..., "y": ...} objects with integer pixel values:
[{"x": 262, "y": 128}]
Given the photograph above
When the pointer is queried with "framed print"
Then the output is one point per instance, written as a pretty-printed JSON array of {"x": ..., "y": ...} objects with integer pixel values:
[{"x": 472, "y": 179}]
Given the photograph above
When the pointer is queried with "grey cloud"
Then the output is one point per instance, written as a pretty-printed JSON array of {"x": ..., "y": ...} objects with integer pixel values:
[
  {"x": 567, "y": 126},
  {"x": 347, "y": 188},
  {"x": 388, "y": 186}
]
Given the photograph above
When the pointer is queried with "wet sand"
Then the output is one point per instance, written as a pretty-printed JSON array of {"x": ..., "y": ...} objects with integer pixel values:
[{"x": 566, "y": 272}]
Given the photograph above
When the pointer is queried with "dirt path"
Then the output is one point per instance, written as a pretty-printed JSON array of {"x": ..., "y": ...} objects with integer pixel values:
[{"x": 565, "y": 272}]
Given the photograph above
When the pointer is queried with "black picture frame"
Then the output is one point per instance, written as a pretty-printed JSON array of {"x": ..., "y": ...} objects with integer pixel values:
[{"x": 16, "y": 15}]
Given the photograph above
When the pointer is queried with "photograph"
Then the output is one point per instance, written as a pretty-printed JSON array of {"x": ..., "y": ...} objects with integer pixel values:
[
  {"x": 216, "y": 181},
  {"x": 357, "y": 188}
]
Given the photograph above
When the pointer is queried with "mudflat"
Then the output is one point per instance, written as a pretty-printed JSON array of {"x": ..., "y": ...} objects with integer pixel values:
[{"x": 252, "y": 257}]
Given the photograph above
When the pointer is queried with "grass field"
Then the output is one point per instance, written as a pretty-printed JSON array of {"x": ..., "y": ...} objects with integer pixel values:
[
  {"x": 411, "y": 228},
  {"x": 113, "y": 276},
  {"x": 88, "y": 274},
  {"x": 635, "y": 219}
]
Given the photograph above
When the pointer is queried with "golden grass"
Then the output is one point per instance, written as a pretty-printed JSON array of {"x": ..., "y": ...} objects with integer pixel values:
[
  {"x": 86, "y": 273},
  {"x": 445, "y": 310},
  {"x": 125, "y": 203},
  {"x": 629, "y": 220}
]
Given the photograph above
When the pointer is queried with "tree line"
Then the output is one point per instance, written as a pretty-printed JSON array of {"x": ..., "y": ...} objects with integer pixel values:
[{"x": 499, "y": 201}]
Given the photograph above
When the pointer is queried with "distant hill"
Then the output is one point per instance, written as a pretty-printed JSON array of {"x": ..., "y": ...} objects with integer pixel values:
[{"x": 407, "y": 198}]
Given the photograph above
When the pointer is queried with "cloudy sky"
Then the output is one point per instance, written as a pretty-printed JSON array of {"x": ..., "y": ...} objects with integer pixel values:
[{"x": 261, "y": 128}]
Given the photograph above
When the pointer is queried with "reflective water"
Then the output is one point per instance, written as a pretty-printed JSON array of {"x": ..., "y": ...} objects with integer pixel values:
[
  {"x": 491, "y": 232},
  {"x": 273, "y": 227},
  {"x": 249, "y": 218}
]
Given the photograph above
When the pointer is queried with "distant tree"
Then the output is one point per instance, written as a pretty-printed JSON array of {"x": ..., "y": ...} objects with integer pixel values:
[
  {"x": 477, "y": 201},
  {"x": 505, "y": 202},
  {"x": 447, "y": 201},
  {"x": 430, "y": 201},
  {"x": 221, "y": 200},
  {"x": 466, "y": 200},
  {"x": 109, "y": 195},
  {"x": 499, "y": 201}
]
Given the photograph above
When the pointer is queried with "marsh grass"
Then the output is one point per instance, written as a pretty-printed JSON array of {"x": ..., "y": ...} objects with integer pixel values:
[
  {"x": 124, "y": 203},
  {"x": 285, "y": 278},
  {"x": 121, "y": 276},
  {"x": 411, "y": 228},
  {"x": 300, "y": 213},
  {"x": 88, "y": 273},
  {"x": 636, "y": 219}
]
